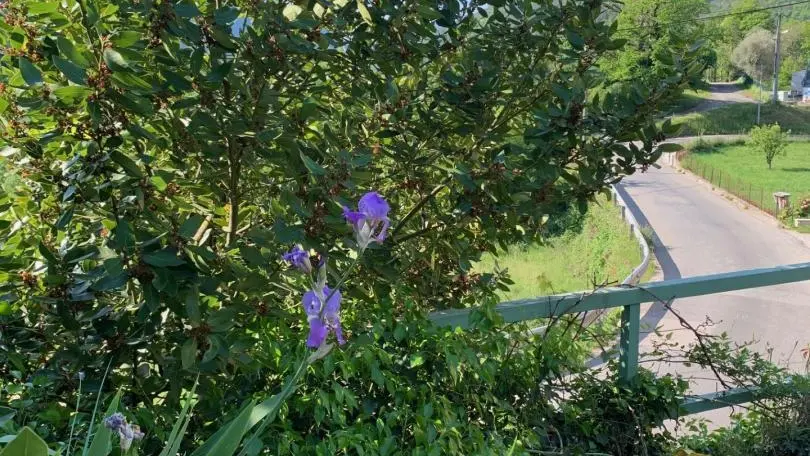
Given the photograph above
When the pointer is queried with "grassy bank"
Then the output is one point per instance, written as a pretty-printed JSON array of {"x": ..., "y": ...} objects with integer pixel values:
[
  {"x": 601, "y": 252},
  {"x": 688, "y": 100},
  {"x": 739, "y": 118},
  {"x": 743, "y": 171}
]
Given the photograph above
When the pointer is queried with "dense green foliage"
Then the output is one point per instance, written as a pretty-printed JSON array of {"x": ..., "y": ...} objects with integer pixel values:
[
  {"x": 728, "y": 33},
  {"x": 779, "y": 427},
  {"x": 652, "y": 29},
  {"x": 166, "y": 153}
]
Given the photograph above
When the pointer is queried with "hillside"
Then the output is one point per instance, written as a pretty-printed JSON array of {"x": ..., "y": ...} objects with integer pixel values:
[{"x": 798, "y": 12}]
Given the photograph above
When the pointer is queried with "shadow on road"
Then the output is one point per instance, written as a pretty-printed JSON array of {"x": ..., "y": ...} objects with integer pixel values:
[
  {"x": 724, "y": 87},
  {"x": 668, "y": 267}
]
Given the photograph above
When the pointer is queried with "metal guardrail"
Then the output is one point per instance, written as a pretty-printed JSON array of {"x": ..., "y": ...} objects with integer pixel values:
[{"x": 631, "y": 298}]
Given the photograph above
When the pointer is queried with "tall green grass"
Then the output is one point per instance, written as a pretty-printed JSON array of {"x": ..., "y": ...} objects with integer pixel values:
[
  {"x": 601, "y": 252},
  {"x": 740, "y": 118}
]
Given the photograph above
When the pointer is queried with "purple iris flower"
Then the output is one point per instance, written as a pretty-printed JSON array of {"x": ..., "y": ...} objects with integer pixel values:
[
  {"x": 126, "y": 432},
  {"x": 370, "y": 222},
  {"x": 299, "y": 258},
  {"x": 323, "y": 321},
  {"x": 115, "y": 421}
]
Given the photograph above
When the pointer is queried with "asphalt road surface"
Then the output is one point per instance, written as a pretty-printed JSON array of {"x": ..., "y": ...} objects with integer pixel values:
[{"x": 698, "y": 232}]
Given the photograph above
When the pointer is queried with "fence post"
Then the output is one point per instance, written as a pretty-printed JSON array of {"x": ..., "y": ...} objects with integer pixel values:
[
  {"x": 628, "y": 345},
  {"x": 750, "y": 195}
]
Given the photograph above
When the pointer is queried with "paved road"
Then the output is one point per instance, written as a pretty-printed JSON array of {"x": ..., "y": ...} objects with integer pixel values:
[
  {"x": 722, "y": 94},
  {"x": 700, "y": 232}
]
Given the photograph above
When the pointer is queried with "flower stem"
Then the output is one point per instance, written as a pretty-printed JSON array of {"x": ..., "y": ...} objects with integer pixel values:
[{"x": 341, "y": 281}]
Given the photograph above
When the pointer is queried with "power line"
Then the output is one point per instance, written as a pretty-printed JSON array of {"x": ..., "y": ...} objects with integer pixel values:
[{"x": 720, "y": 16}]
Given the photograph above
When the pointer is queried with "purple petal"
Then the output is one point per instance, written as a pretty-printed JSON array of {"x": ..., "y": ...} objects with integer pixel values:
[
  {"x": 373, "y": 206},
  {"x": 317, "y": 333},
  {"x": 353, "y": 217},
  {"x": 311, "y": 303},
  {"x": 299, "y": 258},
  {"x": 332, "y": 310},
  {"x": 339, "y": 333}
]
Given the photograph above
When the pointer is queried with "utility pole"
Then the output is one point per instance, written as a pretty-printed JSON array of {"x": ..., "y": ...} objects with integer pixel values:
[
  {"x": 759, "y": 98},
  {"x": 776, "y": 59}
]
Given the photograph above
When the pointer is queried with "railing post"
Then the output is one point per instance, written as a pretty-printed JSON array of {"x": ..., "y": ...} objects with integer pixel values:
[{"x": 628, "y": 346}]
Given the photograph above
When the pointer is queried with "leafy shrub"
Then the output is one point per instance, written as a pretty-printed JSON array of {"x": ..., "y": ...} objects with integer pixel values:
[
  {"x": 769, "y": 140},
  {"x": 169, "y": 152},
  {"x": 779, "y": 428},
  {"x": 804, "y": 207}
]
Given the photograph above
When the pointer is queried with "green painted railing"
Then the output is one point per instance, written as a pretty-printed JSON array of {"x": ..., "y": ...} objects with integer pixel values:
[{"x": 631, "y": 298}]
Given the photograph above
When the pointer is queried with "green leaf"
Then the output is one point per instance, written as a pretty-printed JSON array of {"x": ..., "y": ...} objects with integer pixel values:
[
  {"x": 575, "y": 39},
  {"x": 47, "y": 255},
  {"x": 134, "y": 103},
  {"x": 64, "y": 219},
  {"x": 3, "y": 105},
  {"x": 391, "y": 91},
  {"x": 72, "y": 94},
  {"x": 364, "y": 13},
  {"x": 252, "y": 255},
  {"x": 115, "y": 61},
  {"x": 219, "y": 73},
  {"x": 92, "y": 13},
  {"x": 35, "y": 8},
  {"x": 313, "y": 167},
  {"x": 30, "y": 73},
  {"x": 227, "y": 443},
  {"x": 126, "y": 38},
  {"x": 213, "y": 348},
  {"x": 69, "y": 51},
  {"x": 291, "y": 11},
  {"x": 26, "y": 443},
  {"x": 179, "y": 428},
  {"x": 111, "y": 282},
  {"x": 101, "y": 444},
  {"x": 130, "y": 81},
  {"x": 222, "y": 319},
  {"x": 130, "y": 167},
  {"x": 224, "y": 39},
  {"x": 417, "y": 360},
  {"x": 189, "y": 228},
  {"x": 187, "y": 10},
  {"x": 163, "y": 258},
  {"x": 188, "y": 353},
  {"x": 225, "y": 15},
  {"x": 73, "y": 72},
  {"x": 193, "y": 306},
  {"x": 158, "y": 182}
]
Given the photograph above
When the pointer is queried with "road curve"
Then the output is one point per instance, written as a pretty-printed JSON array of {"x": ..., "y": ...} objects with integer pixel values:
[{"x": 698, "y": 232}]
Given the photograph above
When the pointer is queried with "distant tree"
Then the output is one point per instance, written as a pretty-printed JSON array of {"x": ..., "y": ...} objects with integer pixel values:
[
  {"x": 728, "y": 32},
  {"x": 769, "y": 140},
  {"x": 654, "y": 31},
  {"x": 795, "y": 50},
  {"x": 754, "y": 55}
]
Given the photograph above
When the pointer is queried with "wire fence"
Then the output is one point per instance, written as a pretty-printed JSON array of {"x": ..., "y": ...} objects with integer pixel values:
[{"x": 756, "y": 196}]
